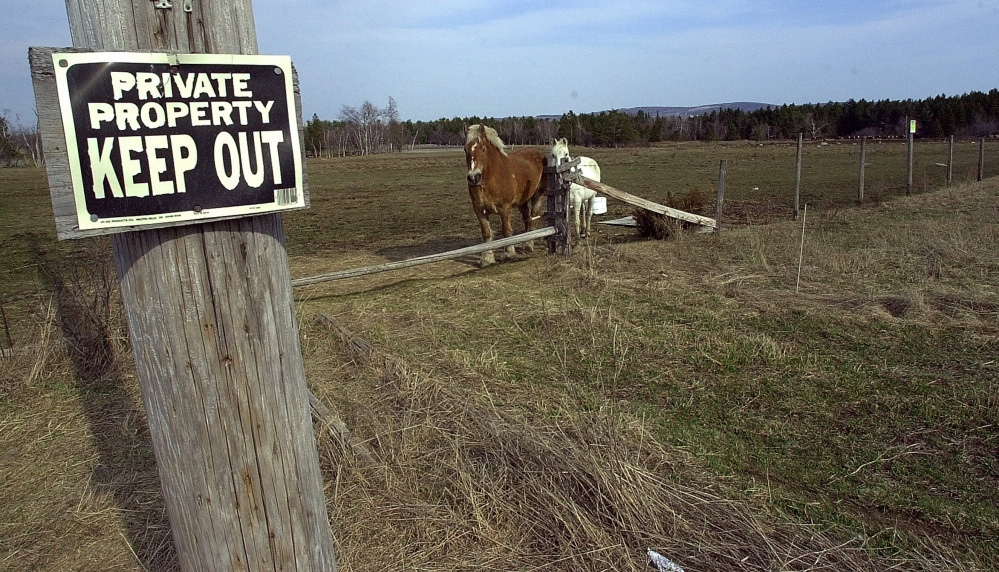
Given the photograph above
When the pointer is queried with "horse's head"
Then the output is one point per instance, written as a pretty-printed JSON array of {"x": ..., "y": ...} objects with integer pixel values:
[
  {"x": 560, "y": 152},
  {"x": 480, "y": 143}
]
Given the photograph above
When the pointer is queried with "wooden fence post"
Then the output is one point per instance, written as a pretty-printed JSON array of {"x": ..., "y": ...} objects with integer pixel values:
[
  {"x": 908, "y": 172},
  {"x": 863, "y": 165},
  {"x": 6, "y": 328},
  {"x": 720, "y": 196},
  {"x": 797, "y": 179},
  {"x": 950, "y": 160},
  {"x": 557, "y": 211},
  {"x": 215, "y": 338},
  {"x": 981, "y": 158}
]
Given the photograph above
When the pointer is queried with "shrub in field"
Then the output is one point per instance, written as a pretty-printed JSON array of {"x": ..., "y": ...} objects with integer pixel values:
[{"x": 654, "y": 225}]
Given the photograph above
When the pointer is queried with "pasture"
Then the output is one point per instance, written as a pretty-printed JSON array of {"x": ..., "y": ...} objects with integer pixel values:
[
  {"x": 569, "y": 413},
  {"x": 425, "y": 191}
]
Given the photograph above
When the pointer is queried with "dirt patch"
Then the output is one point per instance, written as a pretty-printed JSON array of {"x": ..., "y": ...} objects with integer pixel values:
[{"x": 896, "y": 306}]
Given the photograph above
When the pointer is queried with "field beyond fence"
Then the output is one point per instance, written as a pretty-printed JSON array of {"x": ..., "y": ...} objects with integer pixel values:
[{"x": 568, "y": 413}]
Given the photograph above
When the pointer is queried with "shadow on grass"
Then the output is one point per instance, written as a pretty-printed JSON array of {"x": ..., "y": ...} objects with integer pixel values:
[
  {"x": 448, "y": 243},
  {"x": 86, "y": 293},
  {"x": 432, "y": 246}
]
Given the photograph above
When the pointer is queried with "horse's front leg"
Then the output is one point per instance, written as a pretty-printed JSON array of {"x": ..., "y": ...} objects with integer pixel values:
[
  {"x": 587, "y": 216},
  {"x": 575, "y": 203},
  {"x": 528, "y": 212},
  {"x": 487, "y": 257},
  {"x": 507, "y": 229}
]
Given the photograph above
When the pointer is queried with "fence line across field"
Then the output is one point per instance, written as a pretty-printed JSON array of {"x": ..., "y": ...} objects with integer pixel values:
[
  {"x": 566, "y": 174},
  {"x": 557, "y": 184},
  {"x": 429, "y": 258},
  {"x": 910, "y": 165}
]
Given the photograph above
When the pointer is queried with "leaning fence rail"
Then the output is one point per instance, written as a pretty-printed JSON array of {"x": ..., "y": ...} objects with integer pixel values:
[{"x": 428, "y": 259}]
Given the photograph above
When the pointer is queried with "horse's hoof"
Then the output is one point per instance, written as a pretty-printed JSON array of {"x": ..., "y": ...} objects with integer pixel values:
[{"x": 486, "y": 259}]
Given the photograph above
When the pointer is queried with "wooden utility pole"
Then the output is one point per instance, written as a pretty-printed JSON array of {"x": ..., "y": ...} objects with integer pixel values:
[
  {"x": 797, "y": 179},
  {"x": 215, "y": 338}
]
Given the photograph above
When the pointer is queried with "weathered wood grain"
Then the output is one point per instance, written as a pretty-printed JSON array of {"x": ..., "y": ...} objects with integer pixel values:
[
  {"x": 429, "y": 258},
  {"x": 643, "y": 203},
  {"x": 216, "y": 344}
]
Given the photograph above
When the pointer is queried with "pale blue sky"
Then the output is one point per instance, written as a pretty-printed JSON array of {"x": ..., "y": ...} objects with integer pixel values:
[{"x": 451, "y": 58}]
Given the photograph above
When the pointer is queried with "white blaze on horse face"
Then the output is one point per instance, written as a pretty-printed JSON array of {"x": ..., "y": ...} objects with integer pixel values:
[
  {"x": 474, "y": 168},
  {"x": 472, "y": 164}
]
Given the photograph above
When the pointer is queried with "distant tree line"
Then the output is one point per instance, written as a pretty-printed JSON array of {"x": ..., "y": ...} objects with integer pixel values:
[
  {"x": 356, "y": 131},
  {"x": 370, "y": 129},
  {"x": 971, "y": 115},
  {"x": 373, "y": 130},
  {"x": 19, "y": 145}
]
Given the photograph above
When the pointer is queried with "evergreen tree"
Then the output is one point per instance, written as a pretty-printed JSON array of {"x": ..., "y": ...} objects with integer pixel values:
[{"x": 973, "y": 114}]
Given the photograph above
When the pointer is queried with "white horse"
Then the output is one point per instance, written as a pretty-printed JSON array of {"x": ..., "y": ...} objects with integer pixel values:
[{"x": 580, "y": 197}]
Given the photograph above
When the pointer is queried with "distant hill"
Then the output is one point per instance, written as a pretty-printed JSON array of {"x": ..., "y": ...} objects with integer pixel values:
[
  {"x": 699, "y": 110},
  {"x": 687, "y": 111}
]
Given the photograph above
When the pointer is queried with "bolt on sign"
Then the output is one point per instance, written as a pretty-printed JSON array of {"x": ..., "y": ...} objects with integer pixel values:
[{"x": 161, "y": 138}]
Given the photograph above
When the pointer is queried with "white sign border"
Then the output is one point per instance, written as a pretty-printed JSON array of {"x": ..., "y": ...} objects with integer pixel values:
[{"x": 83, "y": 217}]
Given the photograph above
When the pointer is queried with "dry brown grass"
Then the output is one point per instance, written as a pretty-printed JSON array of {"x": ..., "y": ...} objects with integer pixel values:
[
  {"x": 787, "y": 387},
  {"x": 462, "y": 482},
  {"x": 704, "y": 411},
  {"x": 80, "y": 488}
]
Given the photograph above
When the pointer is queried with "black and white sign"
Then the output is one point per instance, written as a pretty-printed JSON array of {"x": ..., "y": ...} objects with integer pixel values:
[{"x": 160, "y": 138}]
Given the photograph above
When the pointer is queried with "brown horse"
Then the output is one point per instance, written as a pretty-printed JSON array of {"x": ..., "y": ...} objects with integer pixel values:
[{"x": 500, "y": 179}]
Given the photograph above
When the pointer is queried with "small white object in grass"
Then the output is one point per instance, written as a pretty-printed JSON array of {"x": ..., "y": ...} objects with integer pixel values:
[{"x": 662, "y": 563}]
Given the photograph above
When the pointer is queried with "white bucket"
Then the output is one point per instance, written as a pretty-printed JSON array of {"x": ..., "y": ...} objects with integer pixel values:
[{"x": 599, "y": 205}]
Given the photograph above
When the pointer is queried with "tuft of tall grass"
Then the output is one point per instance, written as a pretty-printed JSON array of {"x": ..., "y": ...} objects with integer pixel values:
[{"x": 462, "y": 481}]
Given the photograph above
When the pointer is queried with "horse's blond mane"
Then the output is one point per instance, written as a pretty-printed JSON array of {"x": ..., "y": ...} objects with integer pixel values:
[{"x": 478, "y": 130}]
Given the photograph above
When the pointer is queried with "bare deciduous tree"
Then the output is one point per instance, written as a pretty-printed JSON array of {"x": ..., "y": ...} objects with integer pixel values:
[
  {"x": 370, "y": 129},
  {"x": 20, "y": 145},
  {"x": 9, "y": 151}
]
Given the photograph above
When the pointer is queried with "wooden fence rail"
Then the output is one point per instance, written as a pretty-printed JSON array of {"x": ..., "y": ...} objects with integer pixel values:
[
  {"x": 566, "y": 172},
  {"x": 645, "y": 204},
  {"x": 430, "y": 258}
]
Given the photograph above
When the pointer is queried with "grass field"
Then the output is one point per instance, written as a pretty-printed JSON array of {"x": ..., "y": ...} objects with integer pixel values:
[{"x": 693, "y": 395}]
